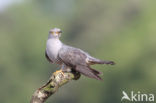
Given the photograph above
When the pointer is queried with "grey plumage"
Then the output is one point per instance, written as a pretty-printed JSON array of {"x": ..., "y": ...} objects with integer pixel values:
[{"x": 80, "y": 61}]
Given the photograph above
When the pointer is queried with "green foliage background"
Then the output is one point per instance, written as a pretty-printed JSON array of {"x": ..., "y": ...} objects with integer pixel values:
[{"x": 123, "y": 31}]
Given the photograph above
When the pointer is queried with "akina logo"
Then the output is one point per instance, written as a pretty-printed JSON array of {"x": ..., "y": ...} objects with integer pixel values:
[{"x": 137, "y": 96}]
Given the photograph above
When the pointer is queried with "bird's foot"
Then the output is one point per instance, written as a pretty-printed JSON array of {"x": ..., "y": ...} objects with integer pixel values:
[{"x": 59, "y": 71}]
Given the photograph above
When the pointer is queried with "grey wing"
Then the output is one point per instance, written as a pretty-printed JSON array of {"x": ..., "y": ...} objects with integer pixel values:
[{"x": 72, "y": 56}]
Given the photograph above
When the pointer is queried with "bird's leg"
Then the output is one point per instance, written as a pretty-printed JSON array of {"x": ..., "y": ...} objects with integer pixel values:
[
  {"x": 65, "y": 68},
  {"x": 62, "y": 70}
]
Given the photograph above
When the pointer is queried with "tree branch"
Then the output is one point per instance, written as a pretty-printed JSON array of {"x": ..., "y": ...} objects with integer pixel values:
[{"x": 57, "y": 79}]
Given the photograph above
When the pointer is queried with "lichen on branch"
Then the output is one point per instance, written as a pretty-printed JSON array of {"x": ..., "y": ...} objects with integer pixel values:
[{"x": 58, "y": 79}]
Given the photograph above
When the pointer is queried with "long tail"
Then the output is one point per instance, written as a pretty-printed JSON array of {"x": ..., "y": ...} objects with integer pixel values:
[
  {"x": 98, "y": 61},
  {"x": 89, "y": 72}
]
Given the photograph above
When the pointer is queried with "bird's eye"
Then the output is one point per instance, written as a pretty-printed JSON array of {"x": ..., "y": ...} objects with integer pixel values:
[{"x": 58, "y": 32}]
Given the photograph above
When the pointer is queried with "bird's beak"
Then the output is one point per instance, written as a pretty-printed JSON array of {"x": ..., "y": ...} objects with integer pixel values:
[{"x": 59, "y": 32}]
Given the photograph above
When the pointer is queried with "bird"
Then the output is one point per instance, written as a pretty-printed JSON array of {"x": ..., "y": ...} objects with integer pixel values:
[{"x": 80, "y": 61}]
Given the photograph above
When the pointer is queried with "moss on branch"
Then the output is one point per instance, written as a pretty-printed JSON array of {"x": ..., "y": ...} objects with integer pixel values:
[{"x": 58, "y": 79}]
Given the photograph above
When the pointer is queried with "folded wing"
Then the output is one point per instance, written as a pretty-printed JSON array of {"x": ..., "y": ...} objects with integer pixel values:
[
  {"x": 72, "y": 56},
  {"x": 77, "y": 58}
]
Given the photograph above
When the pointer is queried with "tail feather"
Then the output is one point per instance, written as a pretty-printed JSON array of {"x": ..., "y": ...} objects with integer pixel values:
[
  {"x": 95, "y": 71},
  {"x": 89, "y": 72},
  {"x": 97, "y": 61}
]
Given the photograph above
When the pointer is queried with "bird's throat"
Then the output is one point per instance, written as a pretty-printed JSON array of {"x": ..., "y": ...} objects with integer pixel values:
[{"x": 53, "y": 47}]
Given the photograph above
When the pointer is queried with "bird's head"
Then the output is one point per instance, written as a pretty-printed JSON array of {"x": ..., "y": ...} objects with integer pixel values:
[{"x": 55, "y": 33}]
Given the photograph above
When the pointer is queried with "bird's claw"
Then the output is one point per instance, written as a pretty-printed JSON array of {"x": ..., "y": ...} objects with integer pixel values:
[{"x": 59, "y": 71}]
